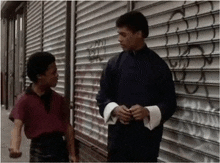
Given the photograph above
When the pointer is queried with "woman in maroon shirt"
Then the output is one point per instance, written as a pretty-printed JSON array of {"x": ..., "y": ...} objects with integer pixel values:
[{"x": 44, "y": 114}]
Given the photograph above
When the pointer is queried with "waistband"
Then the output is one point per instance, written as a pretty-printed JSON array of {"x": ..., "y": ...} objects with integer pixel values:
[{"x": 46, "y": 136}]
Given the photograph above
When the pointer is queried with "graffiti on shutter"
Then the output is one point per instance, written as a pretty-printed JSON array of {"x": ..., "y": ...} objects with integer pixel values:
[{"x": 186, "y": 35}]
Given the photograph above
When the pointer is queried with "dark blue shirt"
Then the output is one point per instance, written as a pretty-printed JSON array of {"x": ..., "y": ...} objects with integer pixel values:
[{"x": 143, "y": 78}]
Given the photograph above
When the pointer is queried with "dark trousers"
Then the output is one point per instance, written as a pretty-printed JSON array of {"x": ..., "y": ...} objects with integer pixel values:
[
  {"x": 133, "y": 142},
  {"x": 129, "y": 154},
  {"x": 49, "y": 148}
]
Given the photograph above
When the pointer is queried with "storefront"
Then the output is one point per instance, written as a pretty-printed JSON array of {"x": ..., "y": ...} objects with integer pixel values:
[{"x": 83, "y": 37}]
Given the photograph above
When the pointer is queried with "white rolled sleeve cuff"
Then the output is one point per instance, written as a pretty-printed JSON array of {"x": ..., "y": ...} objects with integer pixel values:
[
  {"x": 110, "y": 120},
  {"x": 155, "y": 117},
  {"x": 154, "y": 111}
]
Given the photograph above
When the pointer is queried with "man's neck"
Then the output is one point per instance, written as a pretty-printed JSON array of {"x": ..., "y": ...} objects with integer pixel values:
[
  {"x": 39, "y": 89},
  {"x": 140, "y": 46}
]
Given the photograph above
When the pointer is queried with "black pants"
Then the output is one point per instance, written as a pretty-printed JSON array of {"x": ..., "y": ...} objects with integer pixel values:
[
  {"x": 133, "y": 142},
  {"x": 129, "y": 154},
  {"x": 49, "y": 148}
]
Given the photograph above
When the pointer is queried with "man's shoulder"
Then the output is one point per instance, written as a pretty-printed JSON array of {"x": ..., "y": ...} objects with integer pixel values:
[
  {"x": 115, "y": 59},
  {"x": 156, "y": 58},
  {"x": 155, "y": 55}
]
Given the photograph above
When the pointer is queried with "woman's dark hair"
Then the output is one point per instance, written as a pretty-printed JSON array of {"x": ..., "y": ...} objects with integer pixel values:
[
  {"x": 135, "y": 21},
  {"x": 38, "y": 64}
]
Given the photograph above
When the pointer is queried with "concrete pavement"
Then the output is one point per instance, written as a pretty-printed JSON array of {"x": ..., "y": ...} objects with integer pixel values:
[{"x": 6, "y": 127}]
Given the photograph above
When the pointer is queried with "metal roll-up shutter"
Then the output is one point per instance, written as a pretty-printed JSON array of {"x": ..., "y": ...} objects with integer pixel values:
[
  {"x": 96, "y": 42},
  {"x": 11, "y": 63},
  {"x": 54, "y": 33},
  {"x": 4, "y": 61},
  {"x": 33, "y": 30},
  {"x": 186, "y": 35}
]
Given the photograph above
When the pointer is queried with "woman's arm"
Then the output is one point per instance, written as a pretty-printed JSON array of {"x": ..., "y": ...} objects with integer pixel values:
[
  {"x": 16, "y": 139},
  {"x": 71, "y": 143}
]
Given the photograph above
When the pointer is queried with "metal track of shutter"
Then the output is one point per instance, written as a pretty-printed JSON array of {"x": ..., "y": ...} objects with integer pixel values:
[
  {"x": 186, "y": 35},
  {"x": 4, "y": 61},
  {"x": 33, "y": 30},
  {"x": 54, "y": 33},
  {"x": 96, "y": 42},
  {"x": 11, "y": 62}
]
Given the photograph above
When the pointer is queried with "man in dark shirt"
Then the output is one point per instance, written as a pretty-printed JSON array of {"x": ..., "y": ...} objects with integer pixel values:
[
  {"x": 136, "y": 95},
  {"x": 44, "y": 114}
]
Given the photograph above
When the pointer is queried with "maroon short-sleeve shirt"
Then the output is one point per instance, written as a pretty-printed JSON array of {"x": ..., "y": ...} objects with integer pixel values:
[{"x": 30, "y": 108}]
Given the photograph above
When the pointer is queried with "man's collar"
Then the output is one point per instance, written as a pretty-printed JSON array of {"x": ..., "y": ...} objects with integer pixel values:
[{"x": 140, "y": 50}]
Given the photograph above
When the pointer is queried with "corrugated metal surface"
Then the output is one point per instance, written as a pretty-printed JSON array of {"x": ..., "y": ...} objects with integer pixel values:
[
  {"x": 11, "y": 60},
  {"x": 33, "y": 30},
  {"x": 186, "y": 35},
  {"x": 96, "y": 42},
  {"x": 21, "y": 52},
  {"x": 88, "y": 154},
  {"x": 54, "y": 32},
  {"x": 16, "y": 63},
  {"x": 4, "y": 61},
  {"x": 11, "y": 64},
  {"x": 17, "y": 84}
]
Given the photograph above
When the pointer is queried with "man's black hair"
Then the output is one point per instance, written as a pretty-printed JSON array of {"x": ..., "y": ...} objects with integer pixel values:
[
  {"x": 135, "y": 21},
  {"x": 38, "y": 64}
]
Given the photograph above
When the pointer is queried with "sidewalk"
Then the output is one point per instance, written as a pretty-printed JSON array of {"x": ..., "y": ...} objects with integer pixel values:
[{"x": 6, "y": 127}]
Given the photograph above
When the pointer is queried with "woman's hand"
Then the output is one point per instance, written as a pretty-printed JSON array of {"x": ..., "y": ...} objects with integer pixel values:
[
  {"x": 13, "y": 153},
  {"x": 16, "y": 139},
  {"x": 73, "y": 159}
]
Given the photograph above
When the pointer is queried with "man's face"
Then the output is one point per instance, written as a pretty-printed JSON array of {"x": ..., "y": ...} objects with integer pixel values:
[
  {"x": 128, "y": 39},
  {"x": 50, "y": 77}
]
